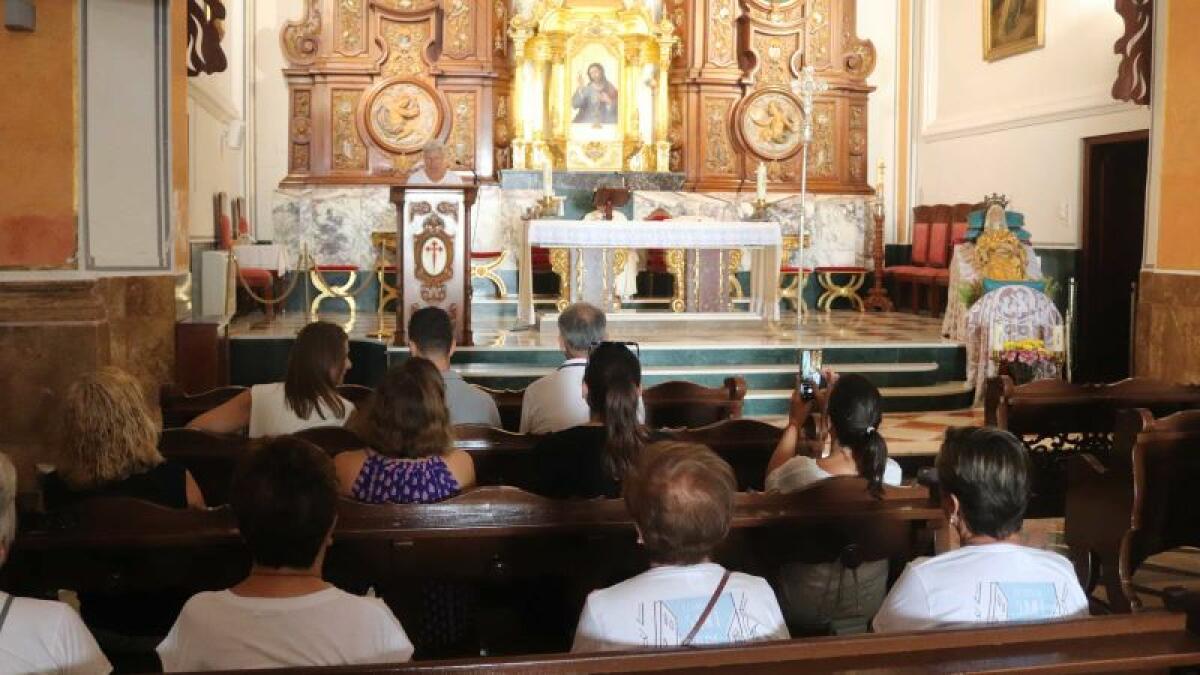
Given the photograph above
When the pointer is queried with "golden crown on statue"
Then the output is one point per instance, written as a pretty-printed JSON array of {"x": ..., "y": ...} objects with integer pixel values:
[{"x": 995, "y": 198}]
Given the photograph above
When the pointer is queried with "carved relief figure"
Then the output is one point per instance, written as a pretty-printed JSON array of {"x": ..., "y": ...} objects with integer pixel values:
[
  {"x": 775, "y": 125},
  {"x": 397, "y": 119},
  {"x": 595, "y": 99}
]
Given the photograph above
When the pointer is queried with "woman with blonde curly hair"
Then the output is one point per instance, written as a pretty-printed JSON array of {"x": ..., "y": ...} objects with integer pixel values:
[
  {"x": 109, "y": 447},
  {"x": 410, "y": 457}
]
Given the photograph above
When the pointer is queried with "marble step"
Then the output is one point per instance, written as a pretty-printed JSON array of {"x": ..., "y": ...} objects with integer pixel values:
[
  {"x": 955, "y": 395},
  {"x": 758, "y": 376}
]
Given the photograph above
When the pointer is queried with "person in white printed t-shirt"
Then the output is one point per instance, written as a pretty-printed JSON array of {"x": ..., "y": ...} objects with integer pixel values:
[
  {"x": 39, "y": 636},
  {"x": 555, "y": 402},
  {"x": 984, "y": 480},
  {"x": 284, "y": 614},
  {"x": 681, "y": 499}
]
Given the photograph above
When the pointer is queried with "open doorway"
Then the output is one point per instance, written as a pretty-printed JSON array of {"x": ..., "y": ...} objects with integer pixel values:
[{"x": 1114, "y": 215}]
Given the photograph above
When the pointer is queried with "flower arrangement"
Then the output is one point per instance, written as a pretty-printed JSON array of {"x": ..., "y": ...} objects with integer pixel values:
[{"x": 1026, "y": 360}]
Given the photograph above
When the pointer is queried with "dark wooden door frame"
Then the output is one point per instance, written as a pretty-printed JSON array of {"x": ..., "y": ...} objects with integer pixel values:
[{"x": 1086, "y": 252}]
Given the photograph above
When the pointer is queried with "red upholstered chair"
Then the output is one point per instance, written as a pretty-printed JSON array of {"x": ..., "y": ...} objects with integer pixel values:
[
  {"x": 910, "y": 274},
  {"x": 261, "y": 281},
  {"x": 937, "y": 274}
]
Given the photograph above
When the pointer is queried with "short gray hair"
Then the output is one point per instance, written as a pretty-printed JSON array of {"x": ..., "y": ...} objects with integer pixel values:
[
  {"x": 581, "y": 326},
  {"x": 433, "y": 146},
  {"x": 8, "y": 503}
]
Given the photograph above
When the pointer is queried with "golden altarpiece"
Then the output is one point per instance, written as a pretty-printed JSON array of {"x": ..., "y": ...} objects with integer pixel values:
[{"x": 579, "y": 83}]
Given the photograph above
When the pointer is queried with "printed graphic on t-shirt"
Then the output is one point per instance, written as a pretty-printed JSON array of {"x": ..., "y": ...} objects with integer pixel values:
[
  {"x": 665, "y": 623},
  {"x": 998, "y": 601}
]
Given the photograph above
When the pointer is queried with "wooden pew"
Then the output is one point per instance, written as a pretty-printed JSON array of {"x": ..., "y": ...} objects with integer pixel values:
[
  {"x": 508, "y": 403},
  {"x": 210, "y": 458},
  {"x": 678, "y": 404},
  {"x": 1057, "y": 419},
  {"x": 527, "y": 561},
  {"x": 1142, "y": 503},
  {"x": 1142, "y": 643},
  {"x": 745, "y": 444},
  {"x": 179, "y": 408}
]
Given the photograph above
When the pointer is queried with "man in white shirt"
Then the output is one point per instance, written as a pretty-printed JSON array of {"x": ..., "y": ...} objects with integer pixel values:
[
  {"x": 984, "y": 480},
  {"x": 284, "y": 614},
  {"x": 681, "y": 498},
  {"x": 555, "y": 402},
  {"x": 431, "y": 337},
  {"x": 39, "y": 636},
  {"x": 435, "y": 170}
]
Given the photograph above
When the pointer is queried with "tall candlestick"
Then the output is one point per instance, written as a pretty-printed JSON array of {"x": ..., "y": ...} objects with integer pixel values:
[
  {"x": 762, "y": 182},
  {"x": 547, "y": 178}
]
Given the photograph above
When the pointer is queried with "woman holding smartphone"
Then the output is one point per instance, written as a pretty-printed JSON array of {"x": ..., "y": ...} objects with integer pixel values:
[{"x": 828, "y": 595}]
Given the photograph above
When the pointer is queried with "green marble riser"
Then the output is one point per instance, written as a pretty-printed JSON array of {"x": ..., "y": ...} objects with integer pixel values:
[
  {"x": 754, "y": 380},
  {"x": 768, "y": 407}
]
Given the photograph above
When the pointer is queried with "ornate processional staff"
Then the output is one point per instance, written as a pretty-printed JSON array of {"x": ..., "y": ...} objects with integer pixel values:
[{"x": 807, "y": 87}]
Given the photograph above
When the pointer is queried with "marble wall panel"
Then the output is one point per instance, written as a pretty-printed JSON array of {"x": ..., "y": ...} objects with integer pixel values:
[{"x": 1167, "y": 333}]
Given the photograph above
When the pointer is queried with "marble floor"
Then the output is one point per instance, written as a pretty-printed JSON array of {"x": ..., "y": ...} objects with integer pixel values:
[{"x": 817, "y": 329}]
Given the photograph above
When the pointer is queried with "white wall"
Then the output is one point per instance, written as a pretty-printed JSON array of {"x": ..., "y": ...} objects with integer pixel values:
[
  {"x": 216, "y": 121},
  {"x": 879, "y": 22},
  {"x": 1015, "y": 126},
  {"x": 269, "y": 114}
]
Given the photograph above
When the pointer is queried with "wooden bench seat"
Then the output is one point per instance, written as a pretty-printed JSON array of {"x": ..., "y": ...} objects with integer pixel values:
[
  {"x": 499, "y": 544},
  {"x": 1141, "y": 643},
  {"x": 1058, "y": 419}
]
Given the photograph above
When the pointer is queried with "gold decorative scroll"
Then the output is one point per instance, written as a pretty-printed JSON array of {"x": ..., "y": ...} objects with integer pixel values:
[
  {"x": 458, "y": 29},
  {"x": 501, "y": 19},
  {"x": 461, "y": 144},
  {"x": 301, "y": 39},
  {"x": 349, "y": 152},
  {"x": 774, "y": 59},
  {"x": 819, "y": 36},
  {"x": 350, "y": 27},
  {"x": 404, "y": 43},
  {"x": 857, "y": 145},
  {"x": 822, "y": 158},
  {"x": 721, "y": 17},
  {"x": 720, "y": 154},
  {"x": 300, "y": 156}
]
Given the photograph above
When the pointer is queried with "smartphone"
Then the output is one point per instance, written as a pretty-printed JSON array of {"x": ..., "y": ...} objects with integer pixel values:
[{"x": 809, "y": 378}]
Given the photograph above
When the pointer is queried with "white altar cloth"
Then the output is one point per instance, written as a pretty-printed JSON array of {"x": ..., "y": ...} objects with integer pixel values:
[
  {"x": 764, "y": 240},
  {"x": 263, "y": 257}
]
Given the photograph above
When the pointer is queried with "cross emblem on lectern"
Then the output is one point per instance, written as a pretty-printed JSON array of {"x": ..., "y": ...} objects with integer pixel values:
[{"x": 435, "y": 249}]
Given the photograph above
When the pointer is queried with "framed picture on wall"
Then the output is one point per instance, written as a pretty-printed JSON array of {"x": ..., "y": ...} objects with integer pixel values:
[{"x": 1012, "y": 27}]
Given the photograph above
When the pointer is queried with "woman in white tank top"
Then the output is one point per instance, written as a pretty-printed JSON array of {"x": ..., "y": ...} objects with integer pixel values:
[{"x": 307, "y": 398}]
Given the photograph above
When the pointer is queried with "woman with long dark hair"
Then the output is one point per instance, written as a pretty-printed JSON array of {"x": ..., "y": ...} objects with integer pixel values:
[
  {"x": 591, "y": 460},
  {"x": 307, "y": 397},
  {"x": 822, "y": 596},
  {"x": 410, "y": 456}
]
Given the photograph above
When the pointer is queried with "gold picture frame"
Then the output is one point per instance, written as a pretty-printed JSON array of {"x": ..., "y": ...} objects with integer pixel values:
[{"x": 1012, "y": 27}]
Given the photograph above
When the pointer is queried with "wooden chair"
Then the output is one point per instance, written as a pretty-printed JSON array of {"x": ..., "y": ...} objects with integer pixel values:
[
  {"x": 745, "y": 444},
  {"x": 1057, "y": 419},
  {"x": 508, "y": 403},
  {"x": 1142, "y": 503},
  {"x": 679, "y": 404},
  {"x": 179, "y": 408},
  {"x": 210, "y": 458}
]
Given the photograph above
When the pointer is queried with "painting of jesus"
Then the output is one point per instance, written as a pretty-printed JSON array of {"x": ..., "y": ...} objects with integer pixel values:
[
  {"x": 595, "y": 99},
  {"x": 1012, "y": 27}
]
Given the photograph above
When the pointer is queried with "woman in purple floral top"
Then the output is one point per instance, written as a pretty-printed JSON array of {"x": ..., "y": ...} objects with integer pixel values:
[{"x": 410, "y": 458}]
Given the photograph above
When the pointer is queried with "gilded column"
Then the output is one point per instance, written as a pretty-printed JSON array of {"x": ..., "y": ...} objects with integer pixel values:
[
  {"x": 662, "y": 97},
  {"x": 520, "y": 32},
  {"x": 541, "y": 74},
  {"x": 628, "y": 93},
  {"x": 558, "y": 91}
]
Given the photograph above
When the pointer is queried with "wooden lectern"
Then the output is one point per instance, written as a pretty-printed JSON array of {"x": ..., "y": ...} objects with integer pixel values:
[{"x": 433, "y": 254}]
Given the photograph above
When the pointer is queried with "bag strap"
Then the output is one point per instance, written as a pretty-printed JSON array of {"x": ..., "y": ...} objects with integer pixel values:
[
  {"x": 4, "y": 612},
  {"x": 712, "y": 602}
]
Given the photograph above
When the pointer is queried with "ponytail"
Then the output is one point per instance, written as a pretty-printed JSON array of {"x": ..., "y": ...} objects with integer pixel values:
[
  {"x": 626, "y": 436},
  {"x": 870, "y": 457},
  {"x": 855, "y": 412},
  {"x": 613, "y": 376}
]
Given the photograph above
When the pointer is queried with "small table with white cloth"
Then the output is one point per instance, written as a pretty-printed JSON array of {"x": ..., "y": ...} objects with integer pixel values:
[{"x": 763, "y": 239}]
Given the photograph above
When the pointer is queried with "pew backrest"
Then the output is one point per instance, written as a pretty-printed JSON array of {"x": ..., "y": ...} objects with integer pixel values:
[
  {"x": 508, "y": 404},
  {"x": 179, "y": 408},
  {"x": 678, "y": 404},
  {"x": 745, "y": 444},
  {"x": 210, "y": 458}
]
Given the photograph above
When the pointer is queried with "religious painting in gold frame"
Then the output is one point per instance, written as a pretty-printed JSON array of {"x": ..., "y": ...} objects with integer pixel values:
[
  {"x": 1012, "y": 27},
  {"x": 593, "y": 106}
]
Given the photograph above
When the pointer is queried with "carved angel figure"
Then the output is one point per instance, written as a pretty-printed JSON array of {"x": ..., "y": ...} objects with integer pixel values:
[
  {"x": 775, "y": 126},
  {"x": 396, "y": 119}
]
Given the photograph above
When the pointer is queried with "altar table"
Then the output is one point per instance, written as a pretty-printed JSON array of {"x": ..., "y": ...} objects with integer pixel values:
[{"x": 764, "y": 240}]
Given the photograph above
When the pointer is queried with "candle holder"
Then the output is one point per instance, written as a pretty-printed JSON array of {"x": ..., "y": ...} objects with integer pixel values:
[
  {"x": 549, "y": 206},
  {"x": 877, "y": 297},
  {"x": 760, "y": 209}
]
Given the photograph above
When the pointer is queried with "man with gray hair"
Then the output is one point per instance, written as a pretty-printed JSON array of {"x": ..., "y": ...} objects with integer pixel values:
[
  {"x": 38, "y": 636},
  {"x": 555, "y": 402},
  {"x": 435, "y": 169}
]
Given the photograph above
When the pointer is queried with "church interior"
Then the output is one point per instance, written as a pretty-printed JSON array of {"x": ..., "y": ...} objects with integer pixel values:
[{"x": 808, "y": 290}]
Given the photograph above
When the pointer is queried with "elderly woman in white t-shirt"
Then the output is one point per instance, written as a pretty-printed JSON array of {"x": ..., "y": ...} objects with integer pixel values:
[
  {"x": 308, "y": 397},
  {"x": 983, "y": 474},
  {"x": 38, "y": 636},
  {"x": 828, "y": 596}
]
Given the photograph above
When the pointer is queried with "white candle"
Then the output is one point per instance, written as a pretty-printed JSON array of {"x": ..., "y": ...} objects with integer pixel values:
[
  {"x": 762, "y": 182},
  {"x": 1058, "y": 339},
  {"x": 547, "y": 178}
]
